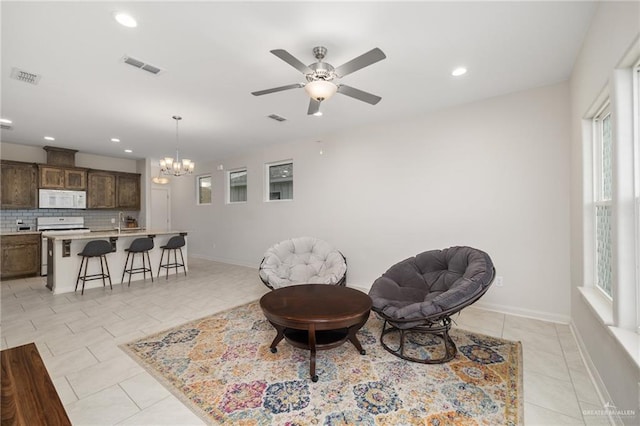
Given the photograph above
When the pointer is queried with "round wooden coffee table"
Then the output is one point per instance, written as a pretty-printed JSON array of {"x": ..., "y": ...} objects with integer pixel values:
[{"x": 316, "y": 317}]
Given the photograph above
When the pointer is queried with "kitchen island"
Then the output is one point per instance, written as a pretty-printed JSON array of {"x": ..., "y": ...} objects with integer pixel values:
[{"x": 63, "y": 260}]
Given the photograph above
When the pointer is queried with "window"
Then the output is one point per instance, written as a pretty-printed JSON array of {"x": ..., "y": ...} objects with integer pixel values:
[
  {"x": 279, "y": 178},
  {"x": 204, "y": 189},
  {"x": 237, "y": 186},
  {"x": 603, "y": 176}
]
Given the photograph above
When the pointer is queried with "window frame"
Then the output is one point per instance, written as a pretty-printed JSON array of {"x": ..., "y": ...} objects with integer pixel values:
[
  {"x": 599, "y": 199},
  {"x": 636, "y": 149},
  {"x": 267, "y": 179},
  {"x": 228, "y": 185},
  {"x": 198, "y": 186}
]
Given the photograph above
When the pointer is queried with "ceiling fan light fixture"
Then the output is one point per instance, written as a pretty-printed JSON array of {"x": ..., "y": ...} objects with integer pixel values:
[
  {"x": 320, "y": 90},
  {"x": 459, "y": 71},
  {"x": 125, "y": 19}
]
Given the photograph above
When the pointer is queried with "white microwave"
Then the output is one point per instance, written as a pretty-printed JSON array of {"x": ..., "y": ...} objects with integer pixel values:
[{"x": 60, "y": 199}]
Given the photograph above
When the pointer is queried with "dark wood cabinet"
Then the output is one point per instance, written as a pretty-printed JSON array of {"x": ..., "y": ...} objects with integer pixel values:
[
  {"x": 101, "y": 192},
  {"x": 75, "y": 179},
  {"x": 128, "y": 191},
  {"x": 113, "y": 190},
  {"x": 18, "y": 185},
  {"x": 20, "y": 255},
  {"x": 62, "y": 178},
  {"x": 51, "y": 177}
]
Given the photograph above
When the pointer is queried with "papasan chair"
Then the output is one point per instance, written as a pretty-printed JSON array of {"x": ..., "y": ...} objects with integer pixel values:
[
  {"x": 417, "y": 297},
  {"x": 303, "y": 260}
]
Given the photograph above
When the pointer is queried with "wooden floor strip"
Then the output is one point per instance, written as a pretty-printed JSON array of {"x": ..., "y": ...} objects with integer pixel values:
[{"x": 27, "y": 393}]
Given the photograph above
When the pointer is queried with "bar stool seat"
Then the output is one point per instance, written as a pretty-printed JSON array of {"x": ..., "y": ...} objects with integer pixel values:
[
  {"x": 174, "y": 244},
  {"x": 96, "y": 248},
  {"x": 142, "y": 246}
]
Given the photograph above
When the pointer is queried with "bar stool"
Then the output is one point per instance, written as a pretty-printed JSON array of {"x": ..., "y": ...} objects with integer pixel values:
[
  {"x": 174, "y": 243},
  {"x": 96, "y": 248},
  {"x": 142, "y": 246}
]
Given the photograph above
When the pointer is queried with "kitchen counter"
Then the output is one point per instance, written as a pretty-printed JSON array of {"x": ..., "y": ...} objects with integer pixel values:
[
  {"x": 63, "y": 260},
  {"x": 113, "y": 233},
  {"x": 2, "y": 234}
]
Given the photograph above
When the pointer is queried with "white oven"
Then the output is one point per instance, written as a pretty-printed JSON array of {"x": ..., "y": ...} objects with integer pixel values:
[{"x": 57, "y": 226}]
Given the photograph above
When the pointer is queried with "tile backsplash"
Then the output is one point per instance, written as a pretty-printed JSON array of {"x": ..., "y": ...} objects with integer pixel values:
[{"x": 93, "y": 219}]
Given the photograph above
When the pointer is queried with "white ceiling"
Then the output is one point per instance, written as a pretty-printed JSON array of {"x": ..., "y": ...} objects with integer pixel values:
[{"x": 215, "y": 53}]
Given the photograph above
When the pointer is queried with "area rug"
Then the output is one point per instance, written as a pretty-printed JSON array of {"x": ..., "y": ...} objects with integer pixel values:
[{"x": 222, "y": 368}]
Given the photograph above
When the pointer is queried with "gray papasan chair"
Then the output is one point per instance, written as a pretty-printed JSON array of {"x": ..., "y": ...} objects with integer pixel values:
[
  {"x": 303, "y": 260},
  {"x": 421, "y": 293}
]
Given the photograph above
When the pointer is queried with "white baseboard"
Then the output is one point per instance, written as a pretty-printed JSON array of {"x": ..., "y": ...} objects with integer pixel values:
[
  {"x": 599, "y": 385},
  {"x": 223, "y": 260},
  {"x": 521, "y": 312}
]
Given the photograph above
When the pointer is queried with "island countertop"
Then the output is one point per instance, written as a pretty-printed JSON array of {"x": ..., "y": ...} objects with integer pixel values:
[{"x": 96, "y": 235}]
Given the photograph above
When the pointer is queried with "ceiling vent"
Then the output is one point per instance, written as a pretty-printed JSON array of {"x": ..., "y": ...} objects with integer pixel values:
[
  {"x": 141, "y": 64},
  {"x": 277, "y": 117},
  {"x": 25, "y": 76}
]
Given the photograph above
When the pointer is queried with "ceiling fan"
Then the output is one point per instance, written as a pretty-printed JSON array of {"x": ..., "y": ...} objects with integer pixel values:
[{"x": 320, "y": 77}]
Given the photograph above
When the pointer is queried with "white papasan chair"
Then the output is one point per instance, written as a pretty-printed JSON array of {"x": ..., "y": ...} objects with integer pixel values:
[{"x": 303, "y": 260}]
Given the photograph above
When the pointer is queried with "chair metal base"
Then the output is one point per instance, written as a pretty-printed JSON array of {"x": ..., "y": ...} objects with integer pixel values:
[
  {"x": 170, "y": 265},
  {"x": 439, "y": 329},
  {"x": 146, "y": 266},
  {"x": 84, "y": 278}
]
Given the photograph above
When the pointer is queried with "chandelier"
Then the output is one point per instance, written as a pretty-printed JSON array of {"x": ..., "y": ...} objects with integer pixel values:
[{"x": 176, "y": 167}]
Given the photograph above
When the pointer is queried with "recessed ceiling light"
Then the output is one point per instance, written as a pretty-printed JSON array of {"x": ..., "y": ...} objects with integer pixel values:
[
  {"x": 115, "y": 140},
  {"x": 128, "y": 151},
  {"x": 49, "y": 138},
  {"x": 5, "y": 121},
  {"x": 459, "y": 71},
  {"x": 125, "y": 19}
]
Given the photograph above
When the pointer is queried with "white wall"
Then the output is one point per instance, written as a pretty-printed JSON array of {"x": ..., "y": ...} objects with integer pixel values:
[
  {"x": 614, "y": 27},
  {"x": 492, "y": 174}
]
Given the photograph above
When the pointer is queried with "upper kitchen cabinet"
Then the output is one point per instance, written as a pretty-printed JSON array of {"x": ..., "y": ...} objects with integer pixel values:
[
  {"x": 62, "y": 178},
  {"x": 113, "y": 190},
  {"x": 101, "y": 193},
  {"x": 18, "y": 185},
  {"x": 59, "y": 172},
  {"x": 128, "y": 188}
]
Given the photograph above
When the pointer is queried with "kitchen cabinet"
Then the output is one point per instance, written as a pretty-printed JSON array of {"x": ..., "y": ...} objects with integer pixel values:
[
  {"x": 128, "y": 191},
  {"x": 75, "y": 179},
  {"x": 62, "y": 178},
  {"x": 20, "y": 255},
  {"x": 113, "y": 190},
  {"x": 101, "y": 191},
  {"x": 18, "y": 185}
]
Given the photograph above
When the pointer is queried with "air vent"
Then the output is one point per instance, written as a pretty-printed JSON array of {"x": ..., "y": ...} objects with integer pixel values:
[
  {"x": 141, "y": 64},
  {"x": 277, "y": 117},
  {"x": 25, "y": 76}
]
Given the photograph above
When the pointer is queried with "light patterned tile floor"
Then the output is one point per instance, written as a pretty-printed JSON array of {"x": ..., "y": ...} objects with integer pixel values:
[{"x": 78, "y": 338}]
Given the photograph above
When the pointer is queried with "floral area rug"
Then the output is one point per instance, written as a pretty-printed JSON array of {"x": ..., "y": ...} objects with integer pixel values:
[{"x": 222, "y": 368}]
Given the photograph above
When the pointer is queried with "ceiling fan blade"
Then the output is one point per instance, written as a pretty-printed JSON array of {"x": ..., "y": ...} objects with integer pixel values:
[
  {"x": 358, "y": 94},
  {"x": 314, "y": 107},
  {"x": 364, "y": 60},
  {"x": 277, "y": 89},
  {"x": 292, "y": 60}
]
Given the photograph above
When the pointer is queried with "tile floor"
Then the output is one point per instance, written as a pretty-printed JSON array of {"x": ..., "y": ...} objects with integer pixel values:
[{"x": 78, "y": 338}]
